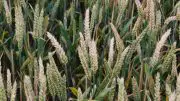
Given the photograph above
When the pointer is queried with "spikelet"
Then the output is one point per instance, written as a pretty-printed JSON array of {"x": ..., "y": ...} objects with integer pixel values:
[
  {"x": 136, "y": 91},
  {"x": 2, "y": 89},
  {"x": 172, "y": 97},
  {"x": 9, "y": 84},
  {"x": 59, "y": 49},
  {"x": 35, "y": 21},
  {"x": 13, "y": 92},
  {"x": 8, "y": 12},
  {"x": 178, "y": 88},
  {"x": 42, "y": 81},
  {"x": 28, "y": 88},
  {"x": 111, "y": 52},
  {"x": 55, "y": 8},
  {"x": 169, "y": 19},
  {"x": 93, "y": 56},
  {"x": 121, "y": 90},
  {"x": 159, "y": 45},
  {"x": 20, "y": 26},
  {"x": 157, "y": 88},
  {"x": 87, "y": 33},
  {"x": 84, "y": 62},
  {"x": 119, "y": 62},
  {"x": 119, "y": 41}
]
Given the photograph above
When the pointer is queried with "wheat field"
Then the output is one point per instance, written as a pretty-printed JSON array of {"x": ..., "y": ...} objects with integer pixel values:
[{"x": 89, "y": 50}]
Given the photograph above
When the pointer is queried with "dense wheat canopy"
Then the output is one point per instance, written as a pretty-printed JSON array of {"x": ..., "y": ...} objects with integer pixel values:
[{"x": 89, "y": 50}]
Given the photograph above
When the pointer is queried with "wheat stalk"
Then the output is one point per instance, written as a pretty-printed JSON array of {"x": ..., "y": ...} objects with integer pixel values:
[{"x": 59, "y": 50}]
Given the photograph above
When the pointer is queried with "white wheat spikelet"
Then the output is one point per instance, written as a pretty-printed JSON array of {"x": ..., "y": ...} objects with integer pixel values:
[
  {"x": 159, "y": 45},
  {"x": 87, "y": 33},
  {"x": 111, "y": 52},
  {"x": 20, "y": 26},
  {"x": 8, "y": 12},
  {"x": 28, "y": 88},
  {"x": 9, "y": 85},
  {"x": 93, "y": 56},
  {"x": 42, "y": 81},
  {"x": 157, "y": 88},
  {"x": 59, "y": 49},
  {"x": 13, "y": 91}
]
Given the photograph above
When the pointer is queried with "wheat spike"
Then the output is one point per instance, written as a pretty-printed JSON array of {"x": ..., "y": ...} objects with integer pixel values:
[
  {"x": 119, "y": 62},
  {"x": 2, "y": 89},
  {"x": 174, "y": 66},
  {"x": 159, "y": 45},
  {"x": 87, "y": 33},
  {"x": 121, "y": 90},
  {"x": 157, "y": 88},
  {"x": 168, "y": 89},
  {"x": 137, "y": 26},
  {"x": 112, "y": 92},
  {"x": 35, "y": 21},
  {"x": 158, "y": 19},
  {"x": 55, "y": 8},
  {"x": 93, "y": 56},
  {"x": 169, "y": 19},
  {"x": 13, "y": 92},
  {"x": 94, "y": 16},
  {"x": 59, "y": 50},
  {"x": 111, "y": 52},
  {"x": 178, "y": 88},
  {"x": 8, "y": 12},
  {"x": 151, "y": 14},
  {"x": 136, "y": 91},
  {"x": 20, "y": 26},
  {"x": 28, "y": 88},
  {"x": 40, "y": 23},
  {"x": 84, "y": 62},
  {"x": 172, "y": 97},
  {"x": 139, "y": 7},
  {"x": 119, "y": 41},
  {"x": 80, "y": 95},
  {"x": 9, "y": 85},
  {"x": 83, "y": 45},
  {"x": 42, "y": 81}
]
